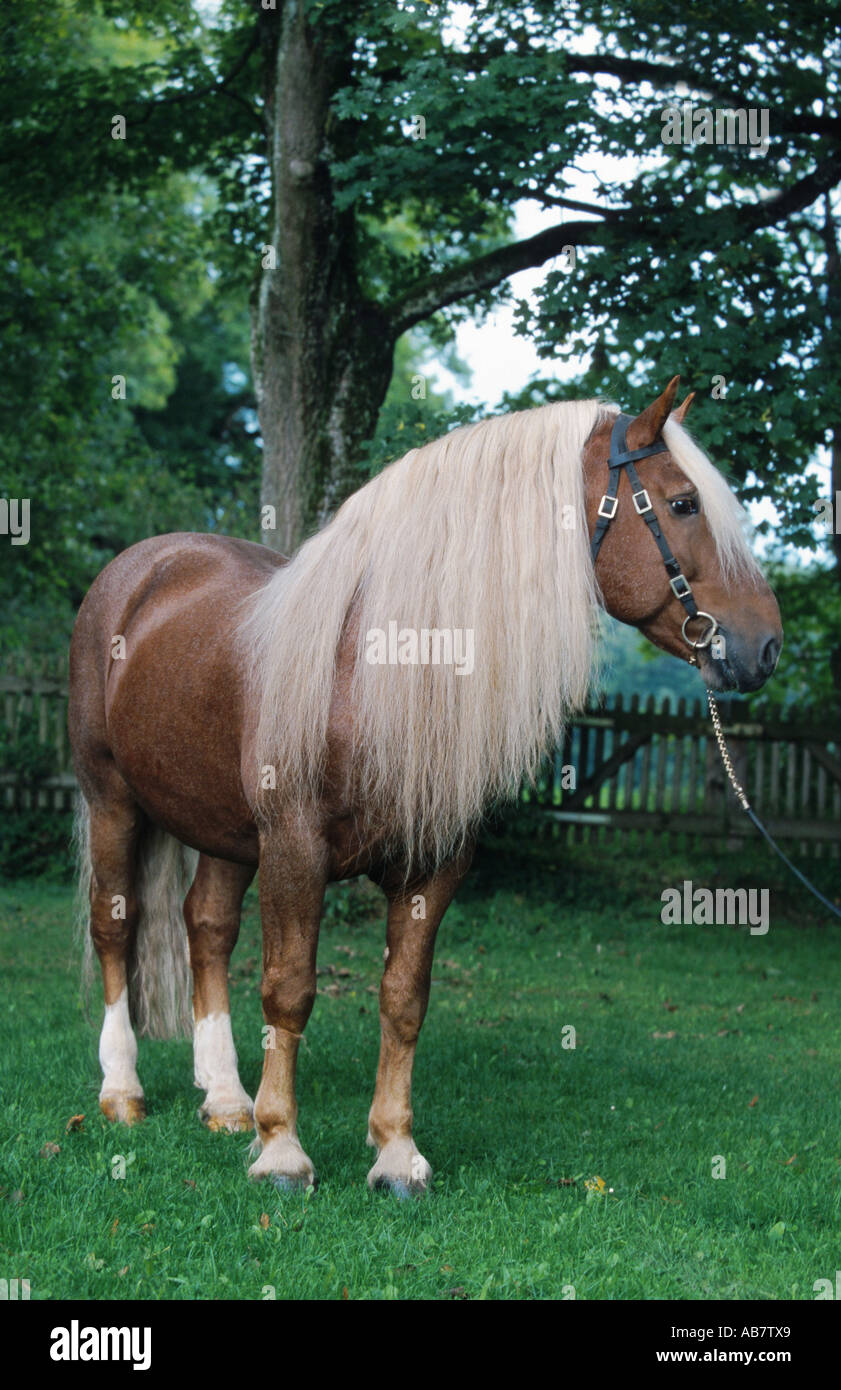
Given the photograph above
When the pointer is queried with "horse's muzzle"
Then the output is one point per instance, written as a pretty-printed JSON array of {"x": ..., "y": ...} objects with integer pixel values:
[{"x": 747, "y": 662}]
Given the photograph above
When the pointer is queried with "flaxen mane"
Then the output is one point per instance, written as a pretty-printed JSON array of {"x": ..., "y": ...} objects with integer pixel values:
[{"x": 485, "y": 530}]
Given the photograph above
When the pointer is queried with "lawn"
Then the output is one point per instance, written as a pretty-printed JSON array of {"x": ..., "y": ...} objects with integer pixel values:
[{"x": 557, "y": 1168}]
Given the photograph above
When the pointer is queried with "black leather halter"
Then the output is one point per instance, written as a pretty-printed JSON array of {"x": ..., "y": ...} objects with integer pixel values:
[{"x": 622, "y": 457}]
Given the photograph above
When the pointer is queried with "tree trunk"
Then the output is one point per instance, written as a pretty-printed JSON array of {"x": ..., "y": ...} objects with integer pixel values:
[{"x": 321, "y": 353}]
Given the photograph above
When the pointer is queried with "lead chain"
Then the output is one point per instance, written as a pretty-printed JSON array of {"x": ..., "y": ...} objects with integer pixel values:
[{"x": 725, "y": 755}]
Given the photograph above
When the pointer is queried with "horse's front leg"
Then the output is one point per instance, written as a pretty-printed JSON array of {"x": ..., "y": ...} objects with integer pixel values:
[
  {"x": 292, "y": 882},
  {"x": 414, "y": 915}
]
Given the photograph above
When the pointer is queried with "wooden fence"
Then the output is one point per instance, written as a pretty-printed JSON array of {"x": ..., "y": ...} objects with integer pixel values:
[
  {"x": 625, "y": 768},
  {"x": 33, "y": 711},
  {"x": 630, "y": 767}
]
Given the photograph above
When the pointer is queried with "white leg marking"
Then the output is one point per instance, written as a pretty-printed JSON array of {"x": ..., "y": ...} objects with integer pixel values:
[
  {"x": 216, "y": 1070},
  {"x": 118, "y": 1052}
]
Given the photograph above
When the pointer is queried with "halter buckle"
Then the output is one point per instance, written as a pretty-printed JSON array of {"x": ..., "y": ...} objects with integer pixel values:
[
  {"x": 612, "y": 502},
  {"x": 640, "y": 508},
  {"x": 678, "y": 592}
]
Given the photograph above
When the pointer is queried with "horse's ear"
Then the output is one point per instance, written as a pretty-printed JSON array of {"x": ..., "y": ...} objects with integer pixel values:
[
  {"x": 680, "y": 413},
  {"x": 647, "y": 426}
]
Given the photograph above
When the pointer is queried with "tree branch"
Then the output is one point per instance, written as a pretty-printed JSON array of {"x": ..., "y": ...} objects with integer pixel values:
[
  {"x": 667, "y": 75},
  {"x": 556, "y": 201},
  {"x": 800, "y": 195},
  {"x": 222, "y": 85},
  {"x": 484, "y": 272}
]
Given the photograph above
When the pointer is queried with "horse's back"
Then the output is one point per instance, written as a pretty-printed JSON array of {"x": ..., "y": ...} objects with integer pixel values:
[{"x": 177, "y": 562}]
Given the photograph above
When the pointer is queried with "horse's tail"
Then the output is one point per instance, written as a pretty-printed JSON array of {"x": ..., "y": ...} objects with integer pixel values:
[
  {"x": 159, "y": 978},
  {"x": 84, "y": 874}
]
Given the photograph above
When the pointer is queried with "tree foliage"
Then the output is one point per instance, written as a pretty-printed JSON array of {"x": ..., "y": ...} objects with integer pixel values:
[{"x": 139, "y": 255}]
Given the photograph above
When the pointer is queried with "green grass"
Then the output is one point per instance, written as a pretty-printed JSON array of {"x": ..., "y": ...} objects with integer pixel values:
[{"x": 692, "y": 1042}]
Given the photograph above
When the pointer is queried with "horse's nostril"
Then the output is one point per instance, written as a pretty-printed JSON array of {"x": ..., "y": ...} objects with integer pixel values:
[{"x": 770, "y": 653}]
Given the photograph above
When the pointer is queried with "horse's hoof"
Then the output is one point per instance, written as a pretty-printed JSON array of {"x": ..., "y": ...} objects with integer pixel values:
[
  {"x": 127, "y": 1110},
  {"x": 283, "y": 1162},
  {"x": 399, "y": 1188},
  {"x": 400, "y": 1169},
  {"x": 283, "y": 1183},
  {"x": 227, "y": 1121}
]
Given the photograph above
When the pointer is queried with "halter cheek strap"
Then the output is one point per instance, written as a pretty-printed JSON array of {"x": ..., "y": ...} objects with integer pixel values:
[{"x": 622, "y": 457}]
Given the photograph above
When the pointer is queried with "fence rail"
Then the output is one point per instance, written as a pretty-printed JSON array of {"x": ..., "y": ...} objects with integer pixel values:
[
  {"x": 35, "y": 765},
  {"x": 638, "y": 768},
  {"x": 625, "y": 767}
]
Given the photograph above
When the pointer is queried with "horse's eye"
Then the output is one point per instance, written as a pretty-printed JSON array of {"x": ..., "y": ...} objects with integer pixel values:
[{"x": 684, "y": 506}]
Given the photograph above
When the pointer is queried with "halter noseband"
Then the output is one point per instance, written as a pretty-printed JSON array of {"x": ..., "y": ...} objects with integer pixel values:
[{"x": 622, "y": 457}]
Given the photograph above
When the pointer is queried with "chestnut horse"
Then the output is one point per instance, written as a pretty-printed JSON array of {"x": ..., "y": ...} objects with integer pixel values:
[{"x": 352, "y": 711}]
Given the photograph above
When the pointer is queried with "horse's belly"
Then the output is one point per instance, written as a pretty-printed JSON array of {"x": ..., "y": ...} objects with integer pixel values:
[{"x": 180, "y": 757}]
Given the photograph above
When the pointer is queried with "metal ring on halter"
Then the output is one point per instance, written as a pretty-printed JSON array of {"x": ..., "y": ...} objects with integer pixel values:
[{"x": 708, "y": 636}]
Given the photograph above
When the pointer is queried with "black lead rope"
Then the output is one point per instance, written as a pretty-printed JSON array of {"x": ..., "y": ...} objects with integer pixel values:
[
  {"x": 622, "y": 457},
  {"x": 748, "y": 809}
]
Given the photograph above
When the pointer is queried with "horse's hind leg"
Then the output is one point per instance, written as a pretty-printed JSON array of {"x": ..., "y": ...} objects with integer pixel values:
[
  {"x": 114, "y": 829},
  {"x": 413, "y": 919},
  {"x": 212, "y": 912}
]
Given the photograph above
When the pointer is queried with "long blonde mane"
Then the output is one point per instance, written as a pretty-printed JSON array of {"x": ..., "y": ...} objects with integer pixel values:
[{"x": 484, "y": 529}]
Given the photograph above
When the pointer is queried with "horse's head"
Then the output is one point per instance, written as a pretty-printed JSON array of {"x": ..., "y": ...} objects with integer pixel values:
[{"x": 686, "y": 501}]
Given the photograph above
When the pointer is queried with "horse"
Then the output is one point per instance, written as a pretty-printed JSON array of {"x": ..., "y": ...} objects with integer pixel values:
[{"x": 231, "y": 709}]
